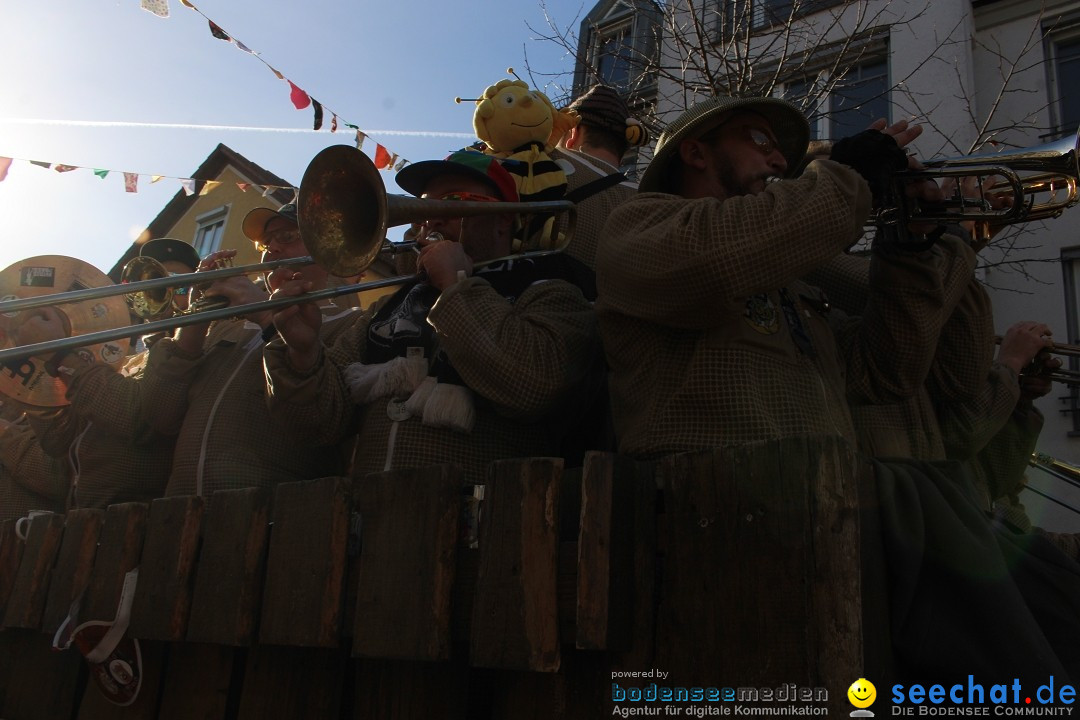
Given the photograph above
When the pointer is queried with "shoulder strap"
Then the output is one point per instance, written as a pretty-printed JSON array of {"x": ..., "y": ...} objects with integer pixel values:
[{"x": 591, "y": 188}]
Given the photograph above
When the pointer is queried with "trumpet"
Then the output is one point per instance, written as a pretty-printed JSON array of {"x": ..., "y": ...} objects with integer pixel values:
[
  {"x": 1062, "y": 375},
  {"x": 1041, "y": 182},
  {"x": 344, "y": 212}
]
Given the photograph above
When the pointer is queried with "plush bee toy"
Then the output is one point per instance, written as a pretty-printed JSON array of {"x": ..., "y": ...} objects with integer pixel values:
[{"x": 521, "y": 126}]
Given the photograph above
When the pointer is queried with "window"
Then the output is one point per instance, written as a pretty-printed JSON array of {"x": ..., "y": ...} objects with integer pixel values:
[
  {"x": 763, "y": 14},
  {"x": 855, "y": 100},
  {"x": 209, "y": 230},
  {"x": 613, "y": 56},
  {"x": 1066, "y": 78}
]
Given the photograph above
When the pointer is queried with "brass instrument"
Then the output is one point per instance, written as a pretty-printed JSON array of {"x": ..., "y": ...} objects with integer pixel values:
[
  {"x": 1062, "y": 375},
  {"x": 1041, "y": 180},
  {"x": 1058, "y": 468},
  {"x": 344, "y": 212},
  {"x": 160, "y": 302}
]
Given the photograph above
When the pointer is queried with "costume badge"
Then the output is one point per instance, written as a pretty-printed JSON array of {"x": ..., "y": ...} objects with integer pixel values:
[{"x": 761, "y": 314}]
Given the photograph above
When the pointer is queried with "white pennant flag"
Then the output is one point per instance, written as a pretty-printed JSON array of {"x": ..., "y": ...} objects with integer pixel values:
[
  {"x": 158, "y": 7},
  {"x": 189, "y": 186}
]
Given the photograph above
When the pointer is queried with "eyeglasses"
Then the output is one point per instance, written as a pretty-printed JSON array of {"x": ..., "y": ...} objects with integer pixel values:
[
  {"x": 762, "y": 140},
  {"x": 179, "y": 290},
  {"x": 468, "y": 197},
  {"x": 284, "y": 236}
]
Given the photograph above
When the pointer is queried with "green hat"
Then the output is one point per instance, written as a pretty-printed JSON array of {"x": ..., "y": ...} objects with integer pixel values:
[{"x": 788, "y": 124}]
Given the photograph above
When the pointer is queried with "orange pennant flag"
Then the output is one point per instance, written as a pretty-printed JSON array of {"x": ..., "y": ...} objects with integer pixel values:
[
  {"x": 382, "y": 157},
  {"x": 243, "y": 186}
]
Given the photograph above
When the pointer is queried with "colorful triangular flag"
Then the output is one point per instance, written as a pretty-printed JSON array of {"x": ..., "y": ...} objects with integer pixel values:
[
  {"x": 5, "y": 163},
  {"x": 300, "y": 99},
  {"x": 218, "y": 32},
  {"x": 318, "y": 114},
  {"x": 382, "y": 157},
  {"x": 360, "y": 140},
  {"x": 131, "y": 182},
  {"x": 101, "y": 173},
  {"x": 208, "y": 186},
  {"x": 333, "y": 124},
  {"x": 158, "y": 7},
  {"x": 65, "y": 168},
  {"x": 41, "y": 164},
  {"x": 155, "y": 178},
  {"x": 243, "y": 186},
  {"x": 189, "y": 186}
]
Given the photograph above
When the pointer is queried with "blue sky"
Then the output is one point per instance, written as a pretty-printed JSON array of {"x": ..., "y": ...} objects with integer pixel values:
[{"x": 392, "y": 68}]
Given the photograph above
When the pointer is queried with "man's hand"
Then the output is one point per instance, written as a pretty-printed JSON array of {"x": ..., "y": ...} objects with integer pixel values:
[
  {"x": 297, "y": 324},
  {"x": 441, "y": 262},
  {"x": 1022, "y": 343}
]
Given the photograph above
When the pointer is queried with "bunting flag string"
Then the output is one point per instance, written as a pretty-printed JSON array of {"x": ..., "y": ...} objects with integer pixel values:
[
  {"x": 300, "y": 98},
  {"x": 131, "y": 179}
]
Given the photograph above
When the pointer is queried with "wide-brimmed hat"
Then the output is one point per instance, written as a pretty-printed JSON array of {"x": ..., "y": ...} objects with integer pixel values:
[
  {"x": 165, "y": 249},
  {"x": 255, "y": 222},
  {"x": 787, "y": 121},
  {"x": 469, "y": 163}
]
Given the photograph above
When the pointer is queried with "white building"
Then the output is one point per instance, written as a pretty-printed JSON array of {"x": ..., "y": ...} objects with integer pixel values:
[{"x": 972, "y": 71}]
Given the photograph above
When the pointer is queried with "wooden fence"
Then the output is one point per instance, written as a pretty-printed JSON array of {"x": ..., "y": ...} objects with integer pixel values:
[{"x": 724, "y": 569}]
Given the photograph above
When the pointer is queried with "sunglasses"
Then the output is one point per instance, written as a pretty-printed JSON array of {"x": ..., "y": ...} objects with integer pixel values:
[
  {"x": 459, "y": 195},
  {"x": 184, "y": 290},
  {"x": 283, "y": 237},
  {"x": 761, "y": 139}
]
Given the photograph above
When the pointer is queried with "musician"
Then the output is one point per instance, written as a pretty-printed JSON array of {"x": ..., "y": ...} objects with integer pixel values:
[
  {"x": 30, "y": 479},
  {"x": 465, "y": 364},
  {"x": 591, "y": 155},
  {"x": 710, "y": 335},
  {"x": 206, "y": 386}
]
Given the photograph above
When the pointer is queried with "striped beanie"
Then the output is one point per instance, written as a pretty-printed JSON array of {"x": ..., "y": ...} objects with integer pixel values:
[{"x": 603, "y": 108}]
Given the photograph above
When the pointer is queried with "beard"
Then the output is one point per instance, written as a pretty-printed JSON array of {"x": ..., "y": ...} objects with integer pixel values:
[{"x": 735, "y": 186}]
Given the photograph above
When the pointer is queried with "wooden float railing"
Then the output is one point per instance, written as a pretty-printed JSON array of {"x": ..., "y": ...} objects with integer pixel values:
[{"x": 725, "y": 568}]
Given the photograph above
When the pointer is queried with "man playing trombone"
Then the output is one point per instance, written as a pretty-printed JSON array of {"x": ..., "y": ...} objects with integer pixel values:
[{"x": 470, "y": 362}]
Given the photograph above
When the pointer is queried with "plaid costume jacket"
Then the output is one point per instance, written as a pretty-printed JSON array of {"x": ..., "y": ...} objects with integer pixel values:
[
  {"x": 29, "y": 478},
  {"x": 524, "y": 361},
  {"x": 593, "y": 211},
  {"x": 711, "y": 338}
]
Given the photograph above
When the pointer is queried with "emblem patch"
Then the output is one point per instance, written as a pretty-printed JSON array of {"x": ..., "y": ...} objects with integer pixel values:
[{"x": 761, "y": 314}]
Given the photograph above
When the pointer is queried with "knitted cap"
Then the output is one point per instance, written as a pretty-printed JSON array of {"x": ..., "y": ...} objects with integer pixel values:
[{"x": 602, "y": 107}]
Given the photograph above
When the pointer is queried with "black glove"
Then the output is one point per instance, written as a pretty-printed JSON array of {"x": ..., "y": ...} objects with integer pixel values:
[{"x": 874, "y": 155}]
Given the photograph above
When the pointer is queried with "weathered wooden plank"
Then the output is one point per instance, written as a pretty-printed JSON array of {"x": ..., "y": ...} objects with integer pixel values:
[
  {"x": 95, "y": 706},
  {"x": 27, "y": 601},
  {"x": 198, "y": 681},
  {"x": 641, "y": 583},
  {"x": 575, "y": 692},
  {"x": 515, "y": 618},
  {"x": 167, "y": 570},
  {"x": 11, "y": 549},
  {"x": 40, "y": 683},
  {"x": 293, "y": 683},
  {"x": 120, "y": 548},
  {"x": 605, "y": 562},
  {"x": 750, "y": 554},
  {"x": 74, "y": 564},
  {"x": 408, "y": 562},
  {"x": 403, "y": 690},
  {"x": 229, "y": 579},
  {"x": 305, "y": 570}
]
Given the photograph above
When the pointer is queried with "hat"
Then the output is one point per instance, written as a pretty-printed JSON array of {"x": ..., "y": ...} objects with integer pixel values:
[
  {"x": 788, "y": 124},
  {"x": 255, "y": 222},
  {"x": 165, "y": 249},
  {"x": 414, "y": 178},
  {"x": 602, "y": 107}
]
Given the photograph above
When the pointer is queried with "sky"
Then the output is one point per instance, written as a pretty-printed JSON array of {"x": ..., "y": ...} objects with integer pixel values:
[{"x": 107, "y": 85}]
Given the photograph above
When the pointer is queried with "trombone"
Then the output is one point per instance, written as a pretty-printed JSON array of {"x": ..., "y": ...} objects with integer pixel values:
[{"x": 344, "y": 212}]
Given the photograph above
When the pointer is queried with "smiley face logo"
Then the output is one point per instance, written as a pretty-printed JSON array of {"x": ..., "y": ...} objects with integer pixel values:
[{"x": 862, "y": 693}]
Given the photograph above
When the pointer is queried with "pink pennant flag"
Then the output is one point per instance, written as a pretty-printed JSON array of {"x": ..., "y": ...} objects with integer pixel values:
[
  {"x": 158, "y": 7},
  {"x": 243, "y": 186},
  {"x": 65, "y": 168},
  {"x": 333, "y": 124},
  {"x": 131, "y": 182},
  {"x": 299, "y": 98},
  {"x": 189, "y": 186},
  {"x": 5, "y": 163}
]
